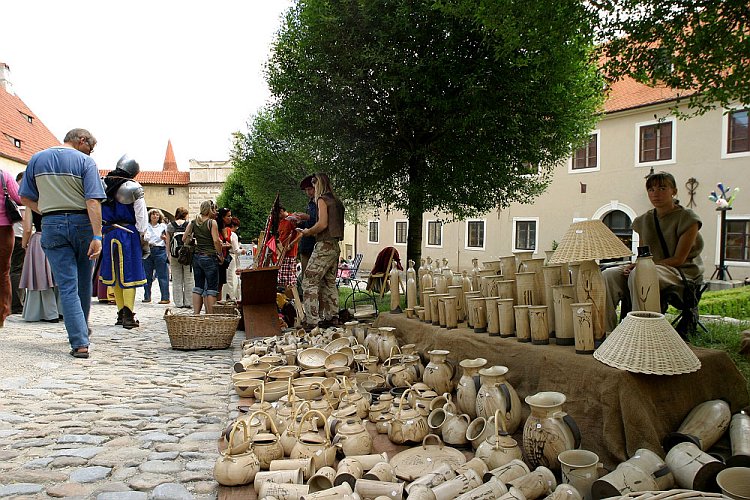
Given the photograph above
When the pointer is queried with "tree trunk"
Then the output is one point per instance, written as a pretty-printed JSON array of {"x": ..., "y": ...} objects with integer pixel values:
[{"x": 417, "y": 168}]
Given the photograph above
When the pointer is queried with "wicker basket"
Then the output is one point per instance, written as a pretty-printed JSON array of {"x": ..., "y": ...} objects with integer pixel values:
[
  {"x": 201, "y": 331},
  {"x": 669, "y": 495},
  {"x": 228, "y": 307}
]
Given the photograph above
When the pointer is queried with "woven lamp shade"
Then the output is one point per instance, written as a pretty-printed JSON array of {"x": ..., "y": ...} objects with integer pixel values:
[
  {"x": 645, "y": 342},
  {"x": 589, "y": 240}
]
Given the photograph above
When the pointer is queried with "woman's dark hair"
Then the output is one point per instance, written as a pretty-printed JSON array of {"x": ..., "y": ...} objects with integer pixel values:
[
  {"x": 661, "y": 179},
  {"x": 181, "y": 213},
  {"x": 220, "y": 216}
]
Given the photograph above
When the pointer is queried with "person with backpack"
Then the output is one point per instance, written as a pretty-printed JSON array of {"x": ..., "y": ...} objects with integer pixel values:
[{"x": 182, "y": 274}]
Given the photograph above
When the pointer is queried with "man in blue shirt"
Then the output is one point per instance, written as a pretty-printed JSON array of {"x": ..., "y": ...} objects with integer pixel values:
[
  {"x": 307, "y": 243},
  {"x": 62, "y": 183}
]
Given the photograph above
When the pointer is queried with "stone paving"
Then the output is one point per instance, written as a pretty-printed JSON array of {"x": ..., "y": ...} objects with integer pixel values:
[{"x": 137, "y": 420}]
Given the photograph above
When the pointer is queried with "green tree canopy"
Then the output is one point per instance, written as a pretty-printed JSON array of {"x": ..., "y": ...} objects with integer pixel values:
[{"x": 421, "y": 106}]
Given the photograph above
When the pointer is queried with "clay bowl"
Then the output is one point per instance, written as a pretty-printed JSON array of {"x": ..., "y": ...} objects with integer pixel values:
[
  {"x": 246, "y": 388},
  {"x": 274, "y": 390},
  {"x": 249, "y": 375},
  {"x": 312, "y": 357},
  {"x": 337, "y": 359}
]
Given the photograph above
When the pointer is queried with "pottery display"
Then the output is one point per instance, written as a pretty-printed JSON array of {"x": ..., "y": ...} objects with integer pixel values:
[
  {"x": 703, "y": 426},
  {"x": 646, "y": 282},
  {"x": 438, "y": 373},
  {"x": 549, "y": 430},
  {"x": 468, "y": 386},
  {"x": 496, "y": 393}
]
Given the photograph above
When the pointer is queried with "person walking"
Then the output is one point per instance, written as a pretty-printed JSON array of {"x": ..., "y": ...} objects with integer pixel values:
[
  {"x": 207, "y": 257},
  {"x": 7, "y": 243},
  {"x": 124, "y": 219},
  {"x": 156, "y": 236},
  {"x": 62, "y": 183},
  {"x": 320, "y": 295},
  {"x": 182, "y": 275}
]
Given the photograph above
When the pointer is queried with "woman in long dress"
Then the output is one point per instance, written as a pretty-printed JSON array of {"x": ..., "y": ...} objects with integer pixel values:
[{"x": 36, "y": 277}]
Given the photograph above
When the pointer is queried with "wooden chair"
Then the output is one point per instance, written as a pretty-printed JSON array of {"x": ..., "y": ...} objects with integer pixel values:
[{"x": 379, "y": 281}]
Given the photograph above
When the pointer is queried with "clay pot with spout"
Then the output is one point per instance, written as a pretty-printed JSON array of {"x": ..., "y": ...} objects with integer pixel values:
[
  {"x": 499, "y": 449},
  {"x": 267, "y": 446},
  {"x": 313, "y": 445},
  {"x": 549, "y": 430},
  {"x": 288, "y": 437},
  {"x": 479, "y": 430},
  {"x": 468, "y": 386},
  {"x": 353, "y": 397},
  {"x": 353, "y": 438},
  {"x": 408, "y": 425},
  {"x": 438, "y": 373},
  {"x": 497, "y": 393}
]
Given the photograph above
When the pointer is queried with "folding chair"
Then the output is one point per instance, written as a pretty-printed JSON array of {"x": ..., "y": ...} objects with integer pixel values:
[{"x": 379, "y": 281}]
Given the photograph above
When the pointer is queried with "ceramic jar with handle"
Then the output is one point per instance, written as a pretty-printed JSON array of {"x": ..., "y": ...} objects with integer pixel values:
[
  {"x": 386, "y": 342},
  {"x": 408, "y": 425},
  {"x": 267, "y": 446},
  {"x": 236, "y": 469},
  {"x": 468, "y": 386},
  {"x": 438, "y": 373},
  {"x": 353, "y": 438},
  {"x": 450, "y": 424},
  {"x": 496, "y": 393},
  {"x": 549, "y": 430},
  {"x": 499, "y": 449},
  {"x": 312, "y": 445}
]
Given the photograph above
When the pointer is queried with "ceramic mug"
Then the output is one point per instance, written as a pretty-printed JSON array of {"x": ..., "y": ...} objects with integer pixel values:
[{"x": 580, "y": 468}]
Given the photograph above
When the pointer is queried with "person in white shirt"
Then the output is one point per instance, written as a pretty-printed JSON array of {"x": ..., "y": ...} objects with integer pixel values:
[{"x": 156, "y": 236}]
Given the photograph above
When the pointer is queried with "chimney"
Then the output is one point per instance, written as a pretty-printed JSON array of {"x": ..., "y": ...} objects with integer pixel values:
[{"x": 5, "y": 83}]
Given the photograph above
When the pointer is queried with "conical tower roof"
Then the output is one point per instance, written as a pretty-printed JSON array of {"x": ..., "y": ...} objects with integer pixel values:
[{"x": 170, "y": 164}]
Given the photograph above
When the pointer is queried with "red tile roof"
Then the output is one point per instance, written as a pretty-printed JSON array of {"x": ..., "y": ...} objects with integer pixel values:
[
  {"x": 15, "y": 125},
  {"x": 158, "y": 177},
  {"x": 628, "y": 94}
]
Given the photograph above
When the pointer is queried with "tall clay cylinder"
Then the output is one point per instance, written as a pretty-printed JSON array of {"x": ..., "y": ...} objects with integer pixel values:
[
  {"x": 451, "y": 316},
  {"x": 458, "y": 292},
  {"x": 525, "y": 289},
  {"x": 493, "y": 320},
  {"x": 523, "y": 330},
  {"x": 536, "y": 266},
  {"x": 583, "y": 327},
  {"x": 434, "y": 311},
  {"x": 506, "y": 317},
  {"x": 469, "y": 311},
  {"x": 562, "y": 297},
  {"x": 591, "y": 288},
  {"x": 509, "y": 266},
  {"x": 646, "y": 280},
  {"x": 477, "y": 305},
  {"x": 739, "y": 436},
  {"x": 703, "y": 426},
  {"x": 506, "y": 288},
  {"x": 538, "y": 326},
  {"x": 426, "y": 292},
  {"x": 552, "y": 277}
]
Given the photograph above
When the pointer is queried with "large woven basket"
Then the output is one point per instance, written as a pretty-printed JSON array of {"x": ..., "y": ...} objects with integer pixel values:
[{"x": 201, "y": 331}]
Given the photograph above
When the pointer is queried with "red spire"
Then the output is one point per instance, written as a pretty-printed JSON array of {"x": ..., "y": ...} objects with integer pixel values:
[{"x": 170, "y": 164}]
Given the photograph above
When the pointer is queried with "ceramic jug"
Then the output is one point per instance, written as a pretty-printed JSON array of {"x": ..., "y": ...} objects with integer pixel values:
[
  {"x": 499, "y": 449},
  {"x": 438, "y": 373},
  {"x": 646, "y": 280},
  {"x": 450, "y": 425},
  {"x": 386, "y": 343},
  {"x": 703, "y": 426},
  {"x": 549, "y": 430},
  {"x": 267, "y": 446},
  {"x": 411, "y": 286},
  {"x": 236, "y": 469},
  {"x": 408, "y": 425},
  {"x": 496, "y": 393},
  {"x": 468, "y": 386},
  {"x": 353, "y": 438}
]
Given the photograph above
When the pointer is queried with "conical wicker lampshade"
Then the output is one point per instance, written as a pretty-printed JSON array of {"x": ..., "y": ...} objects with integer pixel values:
[
  {"x": 645, "y": 342},
  {"x": 589, "y": 240}
]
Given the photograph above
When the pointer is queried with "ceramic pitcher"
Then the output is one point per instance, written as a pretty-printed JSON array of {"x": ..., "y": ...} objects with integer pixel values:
[
  {"x": 496, "y": 393},
  {"x": 438, "y": 373},
  {"x": 549, "y": 430},
  {"x": 468, "y": 386}
]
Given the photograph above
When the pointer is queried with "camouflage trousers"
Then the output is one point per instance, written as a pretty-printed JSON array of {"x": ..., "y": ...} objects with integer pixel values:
[{"x": 320, "y": 298}]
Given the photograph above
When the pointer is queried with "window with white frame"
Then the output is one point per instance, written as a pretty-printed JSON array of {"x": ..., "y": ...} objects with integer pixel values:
[
  {"x": 475, "y": 234},
  {"x": 400, "y": 232},
  {"x": 738, "y": 132},
  {"x": 656, "y": 142},
  {"x": 373, "y": 231},
  {"x": 525, "y": 233},
  {"x": 587, "y": 157},
  {"x": 738, "y": 240},
  {"x": 434, "y": 233}
]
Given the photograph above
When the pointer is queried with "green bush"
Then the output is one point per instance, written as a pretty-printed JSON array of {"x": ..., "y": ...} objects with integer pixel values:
[{"x": 731, "y": 303}]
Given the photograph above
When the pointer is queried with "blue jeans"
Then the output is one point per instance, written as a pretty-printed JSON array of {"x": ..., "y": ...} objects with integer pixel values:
[
  {"x": 157, "y": 261},
  {"x": 66, "y": 240},
  {"x": 206, "y": 274}
]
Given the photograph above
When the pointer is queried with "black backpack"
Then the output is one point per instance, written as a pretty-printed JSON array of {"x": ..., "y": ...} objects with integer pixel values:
[{"x": 176, "y": 242}]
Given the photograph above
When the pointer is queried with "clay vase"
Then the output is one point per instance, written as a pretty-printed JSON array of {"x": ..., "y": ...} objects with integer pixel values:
[
  {"x": 580, "y": 468},
  {"x": 536, "y": 266},
  {"x": 469, "y": 311},
  {"x": 441, "y": 284},
  {"x": 420, "y": 273},
  {"x": 538, "y": 325},
  {"x": 505, "y": 288},
  {"x": 525, "y": 289},
  {"x": 465, "y": 281},
  {"x": 434, "y": 307},
  {"x": 591, "y": 288},
  {"x": 508, "y": 472},
  {"x": 411, "y": 286},
  {"x": 583, "y": 327},
  {"x": 458, "y": 292},
  {"x": 506, "y": 317},
  {"x": 386, "y": 342},
  {"x": 468, "y": 386},
  {"x": 562, "y": 298},
  {"x": 426, "y": 292},
  {"x": 479, "y": 310},
  {"x": 646, "y": 284},
  {"x": 549, "y": 430},
  {"x": 438, "y": 373},
  {"x": 739, "y": 436},
  {"x": 451, "y": 313},
  {"x": 693, "y": 469},
  {"x": 523, "y": 328},
  {"x": 703, "y": 426},
  {"x": 496, "y": 393},
  {"x": 500, "y": 448},
  {"x": 509, "y": 266},
  {"x": 474, "y": 275},
  {"x": 552, "y": 277},
  {"x": 394, "y": 280}
]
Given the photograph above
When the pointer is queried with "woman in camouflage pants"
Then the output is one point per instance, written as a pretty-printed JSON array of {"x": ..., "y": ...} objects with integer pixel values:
[{"x": 320, "y": 296}]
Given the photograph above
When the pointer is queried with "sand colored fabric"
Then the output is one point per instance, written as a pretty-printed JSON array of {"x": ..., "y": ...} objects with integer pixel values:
[{"x": 617, "y": 411}]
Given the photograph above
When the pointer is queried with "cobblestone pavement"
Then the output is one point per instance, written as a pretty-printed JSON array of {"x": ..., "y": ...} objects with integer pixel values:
[{"x": 137, "y": 420}]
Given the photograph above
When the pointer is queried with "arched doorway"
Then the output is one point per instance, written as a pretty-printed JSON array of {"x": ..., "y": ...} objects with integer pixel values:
[{"x": 620, "y": 224}]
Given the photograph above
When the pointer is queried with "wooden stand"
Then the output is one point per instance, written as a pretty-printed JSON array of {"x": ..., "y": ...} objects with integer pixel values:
[{"x": 259, "y": 302}]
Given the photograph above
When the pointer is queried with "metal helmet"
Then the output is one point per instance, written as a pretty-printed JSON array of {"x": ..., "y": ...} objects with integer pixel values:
[
  {"x": 129, "y": 165},
  {"x": 128, "y": 192}
]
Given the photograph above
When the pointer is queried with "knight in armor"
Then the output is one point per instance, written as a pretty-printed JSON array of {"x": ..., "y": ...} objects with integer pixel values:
[{"x": 123, "y": 220}]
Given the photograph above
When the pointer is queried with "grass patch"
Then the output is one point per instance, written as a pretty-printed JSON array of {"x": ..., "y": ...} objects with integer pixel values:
[
  {"x": 726, "y": 337},
  {"x": 384, "y": 304}
]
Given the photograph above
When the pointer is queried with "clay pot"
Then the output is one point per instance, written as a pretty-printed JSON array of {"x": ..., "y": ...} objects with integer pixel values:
[
  {"x": 353, "y": 438},
  {"x": 477, "y": 306},
  {"x": 279, "y": 477},
  {"x": 382, "y": 471},
  {"x": 562, "y": 297},
  {"x": 479, "y": 430},
  {"x": 407, "y": 425},
  {"x": 580, "y": 468},
  {"x": 236, "y": 469},
  {"x": 468, "y": 296},
  {"x": 583, "y": 327},
  {"x": 439, "y": 371},
  {"x": 490, "y": 490},
  {"x": 341, "y": 492},
  {"x": 703, "y": 426},
  {"x": 411, "y": 286},
  {"x": 440, "y": 474},
  {"x": 267, "y": 446},
  {"x": 564, "y": 492},
  {"x": 322, "y": 480},
  {"x": 371, "y": 460},
  {"x": 538, "y": 325},
  {"x": 523, "y": 329},
  {"x": 552, "y": 277},
  {"x": 458, "y": 292},
  {"x": 449, "y": 307},
  {"x": 426, "y": 292},
  {"x": 311, "y": 444},
  {"x": 525, "y": 289},
  {"x": 499, "y": 449},
  {"x": 468, "y": 386},
  {"x": 735, "y": 482},
  {"x": 646, "y": 279},
  {"x": 303, "y": 464},
  {"x": 493, "y": 319},
  {"x": 348, "y": 471},
  {"x": 549, "y": 430},
  {"x": 367, "y": 488},
  {"x": 386, "y": 342},
  {"x": 283, "y": 491},
  {"x": 496, "y": 393},
  {"x": 457, "y": 486},
  {"x": 448, "y": 423},
  {"x": 506, "y": 317}
]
